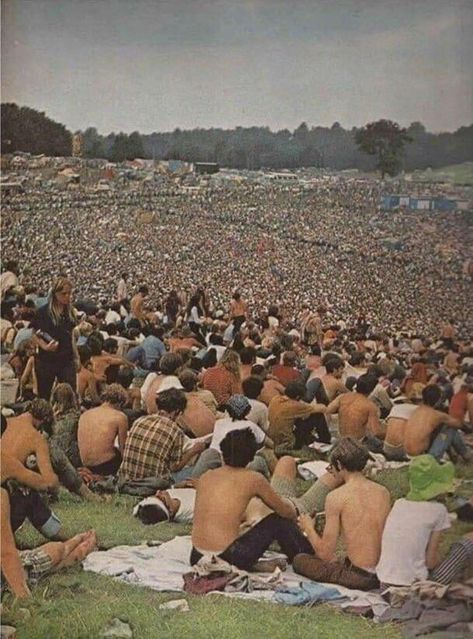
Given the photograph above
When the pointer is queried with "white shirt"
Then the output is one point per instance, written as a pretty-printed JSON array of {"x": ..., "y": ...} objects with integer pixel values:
[
  {"x": 226, "y": 425},
  {"x": 112, "y": 317},
  {"x": 121, "y": 290},
  {"x": 186, "y": 496},
  {"x": 405, "y": 539},
  {"x": 258, "y": 414},
  {"x": 401, "y": 411}
]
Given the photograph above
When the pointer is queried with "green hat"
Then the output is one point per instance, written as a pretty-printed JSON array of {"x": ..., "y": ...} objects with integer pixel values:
[{"x": 428, "y": 478}]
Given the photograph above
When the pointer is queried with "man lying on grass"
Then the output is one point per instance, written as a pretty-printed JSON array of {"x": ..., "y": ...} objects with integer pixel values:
[{"x": 222, "y": 497}]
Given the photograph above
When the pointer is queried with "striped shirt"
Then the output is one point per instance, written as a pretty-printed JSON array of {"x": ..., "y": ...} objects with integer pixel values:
[{"x": 153, "y": 445}]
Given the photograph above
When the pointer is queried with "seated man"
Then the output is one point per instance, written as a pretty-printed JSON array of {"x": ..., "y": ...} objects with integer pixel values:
[
  {"x": 85, "y": 378},
  {"x": 27, "y": 436},
  {"x": 197, "y": 418},
  {"x": 393, "y": 447},
  {"x": 284, "y": 413},
  {"x": 287, "y": 371},
  {"x": 358, "y": 416},
  {"x": 222, "y": 498},
  {"x": 238, "y": 408},
  {"x": 21, "y": 484},
  {"x": 98, "y": 429},
  {"x": 428, "y": 430},
  {"x": 155, "y": 444},
  {"x": 358, "y": 510},
  {"x": 412, "y": 535},
  {"x": 252, "y": 387},
  {"x": 168, "y": 366},
  {"x": 24, "y": 568}
]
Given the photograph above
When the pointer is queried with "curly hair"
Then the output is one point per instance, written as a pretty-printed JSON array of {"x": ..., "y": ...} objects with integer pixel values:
[
  {"x": 115, "y": 395},
  {"x": 349, "y": 454},
  {"x": 231, "y": 362}
]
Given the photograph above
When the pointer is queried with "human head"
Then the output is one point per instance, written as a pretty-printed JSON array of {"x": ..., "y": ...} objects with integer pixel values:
[
  {"x": 252, "y": 386},
  {"x": 248, "y": 356},
  {"x": 238, "y": 448},
  {"x": 115, "y": 395},
  {"x": 431, "y": 395},
  {"x": 143, "y": 290},
  {"x": 95, "y": 344},
  {"x": 172, "y": 401},
  {"x": 295, "y": 390},
  {"x": 110, "y": 345},
  {"x": 289, "y": 358},
  {"x": 231, "y": 361},
  {"x": 125, "y": 377},
  {"x": 84, "y": 354},
  {"x": 188, "y": 380},
  {"x": 335, "y": 366},
  {"x": 63, "y": 399},
  {"x": 366, "y": 384},
  {"x": 169, "y": 363},
  {"x": 60, "y": 300},
  {"x": 158, "y": 508},
  {"x": 42, "y": 413},
  {"x": 350, "y": 455},
  {"x": 428, "y": 478},
  {"x": 238, "y": 407}
]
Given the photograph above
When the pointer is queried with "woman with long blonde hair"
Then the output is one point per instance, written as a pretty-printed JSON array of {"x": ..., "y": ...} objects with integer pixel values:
[
  {"x": 224, "y": 379},
  {"x": 53, "y": 327}
]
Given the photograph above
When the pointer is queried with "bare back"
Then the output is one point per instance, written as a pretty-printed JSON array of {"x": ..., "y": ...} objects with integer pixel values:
[
  {"x": 419, "y": 428},
  {"x": 396, "y": 427},
  {"x": 21, "y": 438},
  {"x": 364, "y": 507},
  {"x": 98, "y": 428},
  {"x": 221, "y": 501},
  {"x": 354, "y": 414}
]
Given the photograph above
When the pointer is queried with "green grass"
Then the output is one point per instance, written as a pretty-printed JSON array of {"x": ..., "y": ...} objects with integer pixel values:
[
  {"x": 78, "y": 605},
  {"x": 459, "y": 173}
]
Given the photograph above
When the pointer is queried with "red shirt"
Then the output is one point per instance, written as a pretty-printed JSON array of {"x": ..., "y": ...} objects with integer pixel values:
[
  {"x": 285, "y": 374},
  {"x": 459, "y": 405}
]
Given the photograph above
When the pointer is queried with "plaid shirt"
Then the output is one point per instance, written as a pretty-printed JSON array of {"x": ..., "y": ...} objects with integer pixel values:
[
  {"x": 221, "y": 383},
  {"x": 153, "y": 445}
]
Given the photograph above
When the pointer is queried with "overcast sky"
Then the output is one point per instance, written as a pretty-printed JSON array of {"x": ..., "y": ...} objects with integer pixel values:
[{"x": 154, "y": 65}]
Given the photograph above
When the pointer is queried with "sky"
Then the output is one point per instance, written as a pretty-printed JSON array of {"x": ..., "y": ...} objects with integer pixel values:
[{"x": 154, "y": 65}]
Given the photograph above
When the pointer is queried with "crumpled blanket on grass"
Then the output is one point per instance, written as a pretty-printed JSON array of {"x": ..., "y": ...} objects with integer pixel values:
[{"x": 162, "y": 568}]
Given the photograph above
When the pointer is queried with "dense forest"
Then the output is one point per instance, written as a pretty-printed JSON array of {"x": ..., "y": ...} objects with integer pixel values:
[{"x": 24, "y": 129}]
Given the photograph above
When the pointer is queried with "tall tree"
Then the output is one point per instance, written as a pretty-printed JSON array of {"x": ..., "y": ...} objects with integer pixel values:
[{"x": 384, "y": 139}]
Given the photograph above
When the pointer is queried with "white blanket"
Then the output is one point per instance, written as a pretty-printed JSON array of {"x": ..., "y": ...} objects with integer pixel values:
[{"x": 162, "y": 567}]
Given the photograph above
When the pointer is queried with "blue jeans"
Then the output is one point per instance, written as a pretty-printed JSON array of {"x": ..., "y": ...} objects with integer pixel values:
[{"x": 447, "y": 438}]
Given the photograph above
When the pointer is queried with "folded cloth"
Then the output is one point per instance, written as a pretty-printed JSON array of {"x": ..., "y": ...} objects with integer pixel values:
[{"x": 306, "y": 594}]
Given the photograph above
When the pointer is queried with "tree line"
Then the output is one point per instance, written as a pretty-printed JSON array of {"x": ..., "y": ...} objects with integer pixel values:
[{"x": 377, "y": 145}]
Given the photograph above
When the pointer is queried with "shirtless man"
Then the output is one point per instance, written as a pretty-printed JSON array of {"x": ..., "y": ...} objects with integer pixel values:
[
  {"x": 22, "y": 438},
  {"x": 169, "y": 365},
  {"x": 98, "y": 428},
  {"x": 20, "y": 566},
  {"x": 358, "y": 416},
  {"x": 428, "y": 430},
  {"x": 332, "y": 380},
  {"x": 197, "y": 417},
  {"x": 137, "y": 304},
  {"x": 101, "y": 360},
  {"x": 222, "y": 497},
  {"x": 358, "y": 510},
  {"x": 85, "y": 378},
  {"x": 393, "y": 447}
]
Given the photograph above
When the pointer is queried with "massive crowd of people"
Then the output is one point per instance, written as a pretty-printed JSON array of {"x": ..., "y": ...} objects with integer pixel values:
[
  {"x": 203, "y": 343},
  {"x": 331, "y": 245}
]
